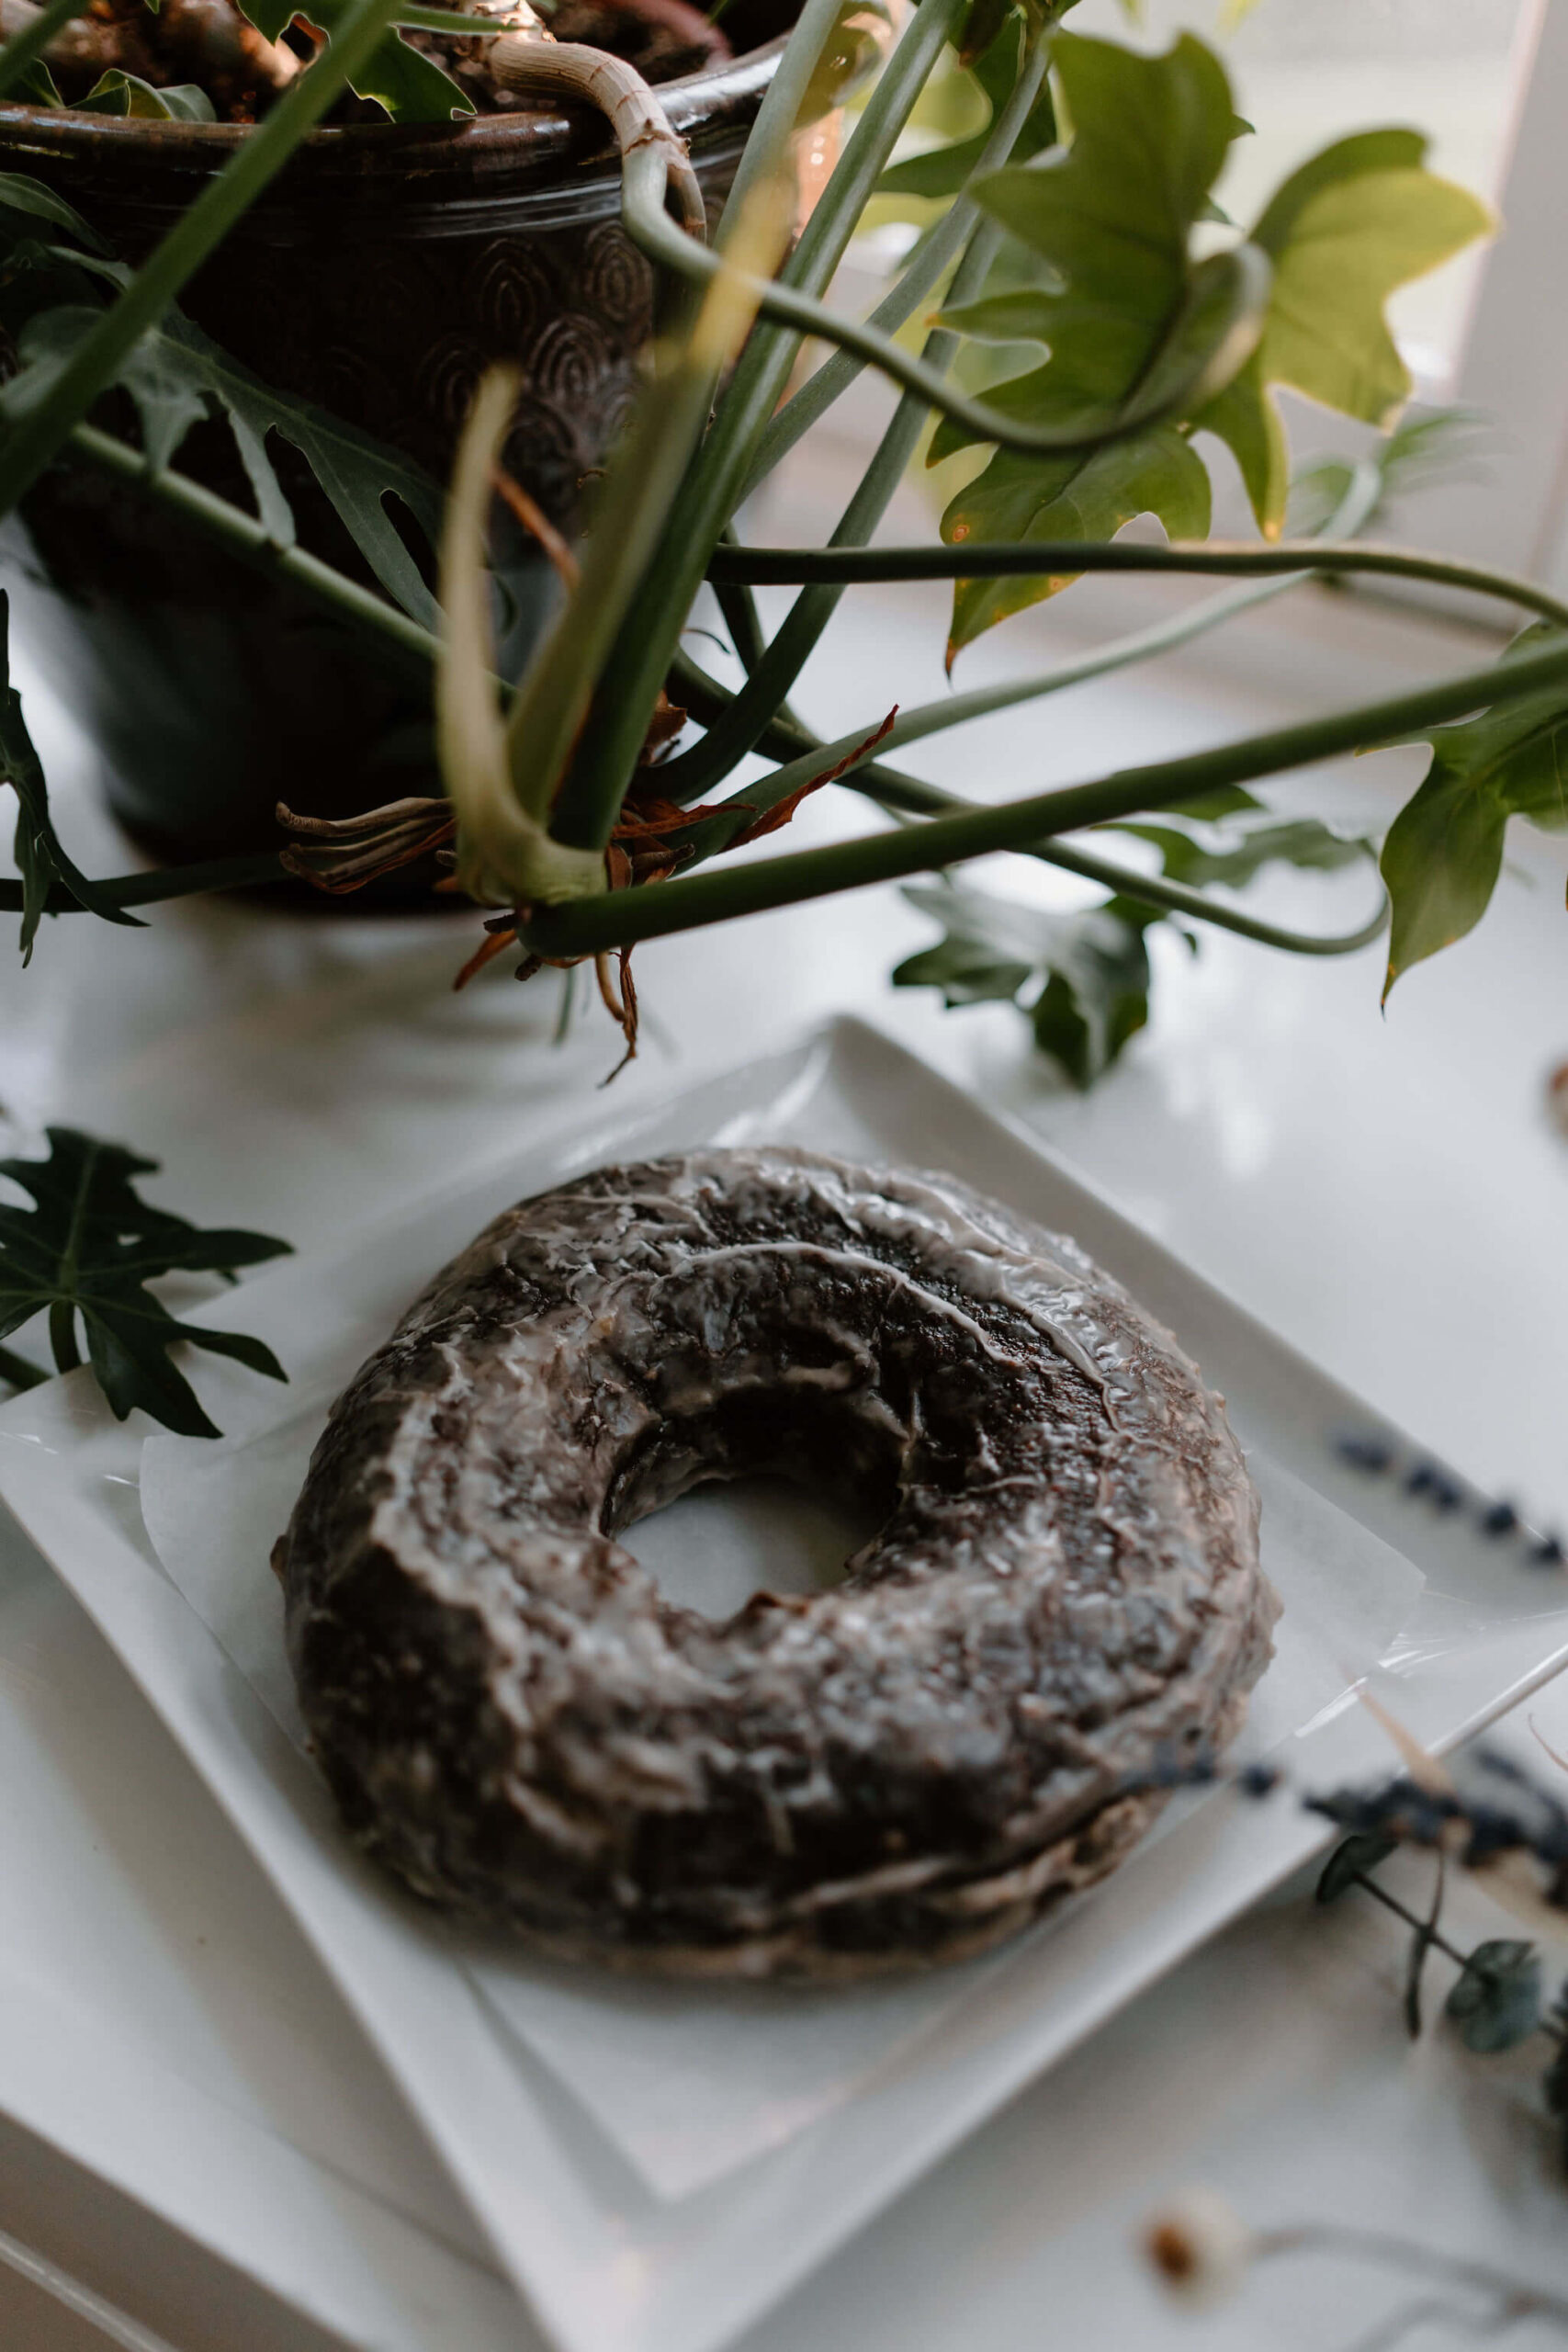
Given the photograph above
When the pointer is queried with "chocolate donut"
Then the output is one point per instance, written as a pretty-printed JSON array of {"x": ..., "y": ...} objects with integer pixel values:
[{"x": 1063, "y": 1599}]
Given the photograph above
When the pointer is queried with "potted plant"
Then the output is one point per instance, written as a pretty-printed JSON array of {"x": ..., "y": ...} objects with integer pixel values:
[{"x": 565, "y": 788}]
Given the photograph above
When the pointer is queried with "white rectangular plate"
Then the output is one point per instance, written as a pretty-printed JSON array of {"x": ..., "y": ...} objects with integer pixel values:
[{"x": 606, "y": 2265}]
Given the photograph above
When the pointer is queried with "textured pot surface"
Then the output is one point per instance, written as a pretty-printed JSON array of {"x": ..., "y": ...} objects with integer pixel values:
[{"x": 381, "y": 273}]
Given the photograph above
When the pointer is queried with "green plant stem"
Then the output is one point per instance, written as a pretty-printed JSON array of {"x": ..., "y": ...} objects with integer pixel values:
[
  {"x": 630, "y": 680},
  {"x": 25, "y": 48},
  {"x": 403, "y": 638},
  {"x": 905, "y": 796},
  {"x": 766, "y": 152},
  {"x": 937, "y": 253},
  {"x": 792, "y": 567},
  {"x": 63, "y": 1336},
  {"x": 690, "y": 775},
  {"x": 1164, "y": 396},
  {"x": 17, "y": 1373},
  {"x": 613, "y": 920},
  {"x": 43, "y": 425},
  {"x": 165, "y": 882}
]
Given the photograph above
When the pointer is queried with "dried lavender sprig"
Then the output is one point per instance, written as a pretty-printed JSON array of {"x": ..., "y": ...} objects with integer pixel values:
[{"x": 1496, "y": 1518}]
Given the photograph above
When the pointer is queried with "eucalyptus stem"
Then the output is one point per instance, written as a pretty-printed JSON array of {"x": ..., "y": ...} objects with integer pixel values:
[
  {"x": 639, "y": 660},
  {"x": 615, "y": 920},
  {"x": 38, "y": 428},
  {"x": 24, "y": 48},
  {"x": 792, "y": 567}
]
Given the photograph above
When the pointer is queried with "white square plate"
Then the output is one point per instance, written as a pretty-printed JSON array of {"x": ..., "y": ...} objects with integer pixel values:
[{"x": 607, "y": 2266}]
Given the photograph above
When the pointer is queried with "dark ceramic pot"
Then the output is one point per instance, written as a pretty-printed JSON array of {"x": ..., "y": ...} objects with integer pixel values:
[{"x": 384, "y": 269}]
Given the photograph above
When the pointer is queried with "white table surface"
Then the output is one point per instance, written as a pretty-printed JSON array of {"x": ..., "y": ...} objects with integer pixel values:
[{"x": 1387, "y": 1193}]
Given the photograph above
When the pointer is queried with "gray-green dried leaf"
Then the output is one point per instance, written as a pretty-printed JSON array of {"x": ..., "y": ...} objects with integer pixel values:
[
  {"x": 1496, "y": 2000},
  {"x": 1352, "y": 1858}
]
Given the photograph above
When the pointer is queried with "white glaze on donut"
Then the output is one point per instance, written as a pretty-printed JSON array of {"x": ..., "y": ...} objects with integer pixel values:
[{"x": 1063, "y": 1599}]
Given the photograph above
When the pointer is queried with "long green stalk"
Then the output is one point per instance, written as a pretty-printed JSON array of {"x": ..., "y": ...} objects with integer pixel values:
[
  {"x": 614, "y": 920},
  {"x": 790, "y": 567},
  {"x": 904, "y": 794},
  {"x": 24, "y": 48},
  {"x": 168, "y": 882},
  {"x": 724, "y": 745},
  {"x": 42, "y": 426},
  {"x": 617, "y": 721}
]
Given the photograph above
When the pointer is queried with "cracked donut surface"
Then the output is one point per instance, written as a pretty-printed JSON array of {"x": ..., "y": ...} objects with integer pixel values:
[{"x": 1064, "y": 1597}]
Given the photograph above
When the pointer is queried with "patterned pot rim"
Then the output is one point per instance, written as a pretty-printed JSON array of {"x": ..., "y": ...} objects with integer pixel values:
[{"x": 385, "y": 162}]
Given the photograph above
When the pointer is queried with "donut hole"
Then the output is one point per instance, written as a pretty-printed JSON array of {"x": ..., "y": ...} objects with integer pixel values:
[
  {"x": 729, "y": 1538},
  {"x": 765, "y": 1491}
]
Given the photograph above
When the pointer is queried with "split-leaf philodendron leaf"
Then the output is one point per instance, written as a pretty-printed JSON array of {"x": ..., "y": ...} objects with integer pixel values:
[
  {"x": 1444, "y": 850},
  {"x": 1343, "y": 233},
  {"x": 1296, "y": 841},
  {"x": 411, "y": 86},
  {"x": 40, "y": 861},
  {"x": 1092, "y": 968},
  {"x": 177, "y": 376},
  {"x": 84, "y": 1253},
  {"x": 1113, "y": 217}
]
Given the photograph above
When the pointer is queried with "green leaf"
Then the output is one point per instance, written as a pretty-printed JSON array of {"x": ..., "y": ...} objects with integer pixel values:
[
  {"x": 1352, "y": 1858},
  {"x": 994, "y": 65},
  {"x": 1112, "y": 218},
  {"x": 85, "y": 1249},
  {"x": 40, "y": 860},
  {"x": 118, "y": 91},
  {"x": 1300, "y": 840},
  {"x": 1083, "y": 498},
  {"x": 1444, "y": 850},
  {"x": 1092, "y": 968},
  {"x": 176, "y": 375},
  {"x": 411, "y": 86},
  {"x": 1344, "y": 232},
  {"x": 1496, "y": 2000},
  {"x": 36, "y": 87},
  {"x": 19, "y": 194},
  {"x": 1111, "y": 222}
]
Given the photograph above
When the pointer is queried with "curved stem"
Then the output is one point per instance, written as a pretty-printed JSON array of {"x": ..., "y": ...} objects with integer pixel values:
[
  {"x": 790, "y": 567},
  {"x": 1243, "y": 276},
  {"x": 1175, "y": 899},
  {"x": 612, "y": 920},
  {"x": 24, "y": 48}
]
